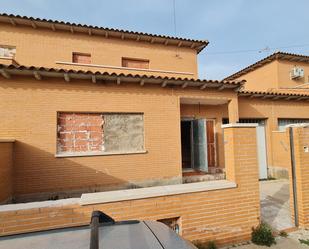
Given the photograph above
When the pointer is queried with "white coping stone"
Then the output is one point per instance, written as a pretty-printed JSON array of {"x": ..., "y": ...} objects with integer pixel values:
[
  {"x": 141, "y": 193},
  {"x": 303, "y": 125},
  {"x": 39, "y": 204},
  {"x": 7, "y": 140},
  {"x": 239, "y": 125}
]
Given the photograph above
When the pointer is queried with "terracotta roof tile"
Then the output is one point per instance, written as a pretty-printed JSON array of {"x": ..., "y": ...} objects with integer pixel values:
[{"x": 199, "y": 45}]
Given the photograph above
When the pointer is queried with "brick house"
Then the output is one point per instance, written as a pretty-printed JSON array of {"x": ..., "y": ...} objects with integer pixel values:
[
  {"x": 90, "y": 109},
  {"x": 276, "y": 95},
  {"x": 99, "y": 109}
]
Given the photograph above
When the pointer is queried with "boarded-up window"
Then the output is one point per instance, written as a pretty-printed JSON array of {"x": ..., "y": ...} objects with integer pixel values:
[
  {"x": 135, "y": 63},
  {"x": 81, "y": 58},
  {"x": 100, "y": 132},
  {"x": 7, "y": 51}
]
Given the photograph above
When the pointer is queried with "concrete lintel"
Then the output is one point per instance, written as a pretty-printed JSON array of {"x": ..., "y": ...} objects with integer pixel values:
[
  {"x": 239, "y": 125},
  {"x": 151, "y": 192}
]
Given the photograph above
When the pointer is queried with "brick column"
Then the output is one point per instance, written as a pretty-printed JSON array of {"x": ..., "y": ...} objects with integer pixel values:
[
  {"x": 240, "y": 151},
  {"x": 233, "y": 110},
  {"x": 301, "y": 156}
]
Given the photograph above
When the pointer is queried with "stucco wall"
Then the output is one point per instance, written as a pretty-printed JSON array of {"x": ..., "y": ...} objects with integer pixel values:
[
  {"x": 262, "y": 78},
  {"x": 275, "y": 75},
  {"x": 284, "y": 68},
  {"x": 272, "y": 110},
  {"x": 6, "y": 170},
  {"x": 280, "y": 154},
  {"x": 301, "y": 140}
]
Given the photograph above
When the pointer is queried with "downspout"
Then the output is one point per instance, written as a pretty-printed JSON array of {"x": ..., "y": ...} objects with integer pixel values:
[{"x": 293, "y": 176}]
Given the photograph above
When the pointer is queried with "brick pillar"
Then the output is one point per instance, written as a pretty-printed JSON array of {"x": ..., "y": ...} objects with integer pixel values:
[
  {"x": 241, "y": 167},
  {"x": 233, "y": 110},
  {"x": 301, "y": 156},
  {"x": 240, "y": 152}
]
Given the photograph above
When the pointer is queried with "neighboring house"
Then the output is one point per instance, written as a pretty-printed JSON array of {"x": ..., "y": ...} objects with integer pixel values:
[
  {"x": 275, "y": 94},
  {"x": 93, "y": 109}
]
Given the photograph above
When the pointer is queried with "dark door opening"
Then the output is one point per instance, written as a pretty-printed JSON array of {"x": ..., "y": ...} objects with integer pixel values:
[
  {"x": 186, "y": 144},
  {"x": 194, "y": 144}
]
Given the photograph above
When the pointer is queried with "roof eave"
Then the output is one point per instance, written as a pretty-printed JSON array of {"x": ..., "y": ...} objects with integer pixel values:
[
  {"x": 54, "y": 25},
  {"x": 40, "y": 73}
]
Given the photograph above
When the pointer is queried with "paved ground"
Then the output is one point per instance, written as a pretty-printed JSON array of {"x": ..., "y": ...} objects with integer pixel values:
[
  {"x": 275, "y": 204},
  {"x": 291, "y": 242}
]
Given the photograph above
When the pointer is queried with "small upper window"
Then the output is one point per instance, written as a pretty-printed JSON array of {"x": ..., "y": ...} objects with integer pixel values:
[
  {"x": 81, "y": 58},
  {"x": 135, "y": 63},
  {"x": 7, "y": 51}
]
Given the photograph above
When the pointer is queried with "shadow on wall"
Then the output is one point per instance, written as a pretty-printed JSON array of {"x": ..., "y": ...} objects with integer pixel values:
[{"x": 38, "y": 175}]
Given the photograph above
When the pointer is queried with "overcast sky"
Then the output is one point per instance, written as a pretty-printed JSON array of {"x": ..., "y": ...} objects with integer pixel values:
[{"x": 236, "y": 29}]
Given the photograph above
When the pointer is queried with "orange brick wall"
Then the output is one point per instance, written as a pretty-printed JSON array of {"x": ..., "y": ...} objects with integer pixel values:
[
  {"x": 79, "y": 132},
  {"x": 43, "y": 47},
  {"x": 6, "y": 168},
  {"x": 226, "y": 216},
  {"x": 34, "y": 126}
]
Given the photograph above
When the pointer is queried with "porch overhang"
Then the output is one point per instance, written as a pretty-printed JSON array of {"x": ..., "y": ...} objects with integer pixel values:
[
  {"x": 274, "y": 95},
  {"x": 41, "y": 73}
]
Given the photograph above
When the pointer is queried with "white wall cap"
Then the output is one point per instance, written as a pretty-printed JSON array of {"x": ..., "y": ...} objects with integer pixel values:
[
  {"x": 239, "y": 125},
  {"x": 142, "y": 193}
]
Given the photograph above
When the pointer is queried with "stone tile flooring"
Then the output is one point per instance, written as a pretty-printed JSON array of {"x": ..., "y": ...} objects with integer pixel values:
[{"x": 275, "y": 204}]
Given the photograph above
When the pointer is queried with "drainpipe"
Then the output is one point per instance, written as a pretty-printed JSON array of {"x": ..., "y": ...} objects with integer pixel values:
[{"x": 293, "y": 176}]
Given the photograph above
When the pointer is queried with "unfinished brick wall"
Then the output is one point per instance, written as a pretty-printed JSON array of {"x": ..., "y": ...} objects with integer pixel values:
[
  {"x": 80, "y": 132},
  {"x": 100, "y": 132}
]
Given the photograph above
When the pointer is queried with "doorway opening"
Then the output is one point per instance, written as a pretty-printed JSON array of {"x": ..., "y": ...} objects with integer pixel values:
[
  {"x": 186, "y": 144},
  {"x": 198, "y": 144},
  {"x": 194, "y": 145}
]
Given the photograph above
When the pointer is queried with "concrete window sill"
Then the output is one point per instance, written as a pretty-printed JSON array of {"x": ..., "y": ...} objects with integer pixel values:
[
  {"x": 87, "y": 154},
  {"x": 142, "y": 193},
  {"x": 121, "y": 68}
]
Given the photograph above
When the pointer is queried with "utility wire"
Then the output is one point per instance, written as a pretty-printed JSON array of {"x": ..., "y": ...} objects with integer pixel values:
[
  {"x": 266, "y": 49},
  {"x": 174, "y": 17}
]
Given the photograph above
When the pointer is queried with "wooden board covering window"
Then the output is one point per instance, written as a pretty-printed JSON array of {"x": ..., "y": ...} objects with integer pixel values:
[
  {"x": 135, "y": 63},
  {"x": 82, "y": 58},
  {"x": 211, "y": 143}
]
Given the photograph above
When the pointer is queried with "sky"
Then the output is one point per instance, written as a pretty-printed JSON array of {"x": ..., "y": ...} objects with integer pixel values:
[{"x": 239, "y": 32}]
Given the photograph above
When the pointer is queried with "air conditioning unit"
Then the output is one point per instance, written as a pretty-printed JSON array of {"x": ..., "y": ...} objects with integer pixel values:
[{"x": 297, "y": 73}]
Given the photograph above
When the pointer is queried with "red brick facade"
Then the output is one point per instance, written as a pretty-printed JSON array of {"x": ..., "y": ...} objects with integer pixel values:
[{"x": 80, "y": 132}]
